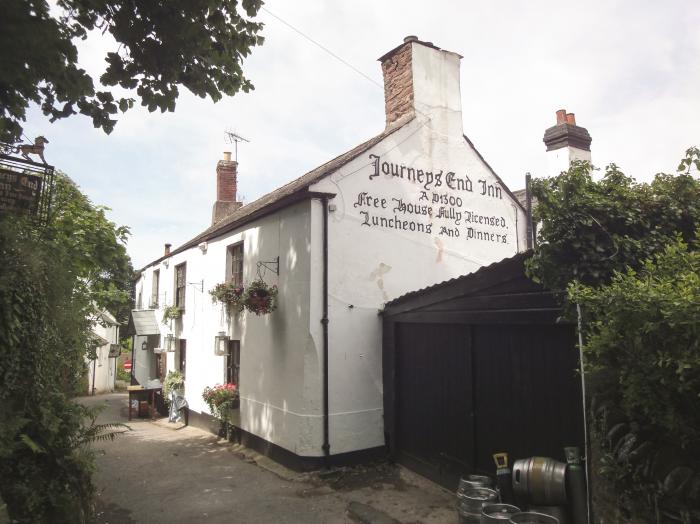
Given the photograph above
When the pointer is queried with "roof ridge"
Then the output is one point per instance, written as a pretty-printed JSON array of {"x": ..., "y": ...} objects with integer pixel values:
[{"x": 298, "y": 184}]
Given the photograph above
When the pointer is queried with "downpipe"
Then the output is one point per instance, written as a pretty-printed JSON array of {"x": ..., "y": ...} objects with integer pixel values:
[{"x": 324, "y": 321}]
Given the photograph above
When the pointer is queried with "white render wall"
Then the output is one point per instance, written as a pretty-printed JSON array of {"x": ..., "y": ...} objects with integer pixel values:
[
  {"x": 280, "y": 359},
  {"x": 473, "y": 222},
  {"x": 372, "y": 262},
  {"x": 281, "y": 353},
  {"x": 104, "y": 367},
  {"x": 559, "y": 160}
]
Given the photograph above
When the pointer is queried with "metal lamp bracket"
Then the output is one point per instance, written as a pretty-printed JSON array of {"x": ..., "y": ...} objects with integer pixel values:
[
  {"x": 272, "y": 265},
  {"x": 198, "y": 285}
]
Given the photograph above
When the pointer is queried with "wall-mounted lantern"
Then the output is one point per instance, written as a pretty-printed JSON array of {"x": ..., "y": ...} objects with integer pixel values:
[
  {"x": 144, "y": 345},
  {"x": 220, "y": 343},
  {"x": 170, "y": 343}
]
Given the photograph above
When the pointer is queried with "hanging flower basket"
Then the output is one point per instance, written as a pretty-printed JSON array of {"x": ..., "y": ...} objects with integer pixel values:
[
  {"x": 229, "y": 294},
  {"x": 170, "y": 312},
  {"x": 260, "y": 298}
]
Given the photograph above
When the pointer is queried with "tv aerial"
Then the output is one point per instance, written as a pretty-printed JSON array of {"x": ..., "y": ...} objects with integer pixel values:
[{"x": 231, "y": 137}]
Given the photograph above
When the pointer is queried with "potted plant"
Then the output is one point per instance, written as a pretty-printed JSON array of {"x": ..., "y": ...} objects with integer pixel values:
[
  {"x": 229, "y": 294},
  {"x": 170, "y": 312},
  {"x": 260, "y": 298},
  {"x": 174, "y": 381},
  {"x": 222, "y": 399}
]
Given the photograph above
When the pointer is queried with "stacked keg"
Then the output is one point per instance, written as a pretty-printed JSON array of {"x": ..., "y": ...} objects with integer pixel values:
[
  {"x": 473, "y": 493},
  {"x": 532, "y": 517},
  {"x": 553, "y": 492},
  {"x": 542, "y": 482},
  {"x": 498, "y": 513}
]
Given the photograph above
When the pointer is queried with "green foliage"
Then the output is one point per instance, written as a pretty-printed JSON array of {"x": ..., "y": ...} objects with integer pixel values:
[
  {"x": 259, "y": 298},
  {"x": 589, "y": 229},
  {"x": 229, "y": 294},
  {"x": 160, "y": 46},
  {"x": 173, "y": 381},
  {"x": 170, "y": 313},
  {"x": 96, "y": 248},
  {"x": 627, "y": 253},
  {"x": 644, "y": 325},
  {"x": 50, "y": 282}
]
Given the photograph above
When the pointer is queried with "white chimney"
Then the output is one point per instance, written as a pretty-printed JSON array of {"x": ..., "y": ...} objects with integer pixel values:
[
  {"x": 566, "y": 142},
  {"x": 422, "y": 80}
]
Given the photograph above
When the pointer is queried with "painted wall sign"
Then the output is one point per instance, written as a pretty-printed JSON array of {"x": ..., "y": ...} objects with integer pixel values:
[
  {"x": 441, "y": 206},
  {"x": 19, "y": 191}
]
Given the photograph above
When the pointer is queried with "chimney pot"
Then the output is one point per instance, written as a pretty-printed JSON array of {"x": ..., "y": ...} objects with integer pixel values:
[
  {"x": 569, "y": 136},
  {"x": 227, "y": 156},
  {"x": 561, "y": 116},
  {"x": 167, "y": 249}
]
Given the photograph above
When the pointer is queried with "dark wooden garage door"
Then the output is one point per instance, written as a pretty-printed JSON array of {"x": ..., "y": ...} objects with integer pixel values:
[
  {"x": 528, "y": 393},
  {"x": 465, "y": 392},
  {"x": 434, "y": 429}
]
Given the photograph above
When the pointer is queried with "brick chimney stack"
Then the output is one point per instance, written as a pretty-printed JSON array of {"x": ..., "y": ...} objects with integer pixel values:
[
  {"x": 566, "y": 142},
  {"x": 421, "y": 80},
  {"x": 226, "y": 183},
  {"x": 166, "y": 252}
]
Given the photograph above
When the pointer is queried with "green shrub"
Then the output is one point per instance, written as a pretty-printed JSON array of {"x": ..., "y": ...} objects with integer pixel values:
[
  {"x": 51, "y": 279},
  {"x": 645, "y": 328}
]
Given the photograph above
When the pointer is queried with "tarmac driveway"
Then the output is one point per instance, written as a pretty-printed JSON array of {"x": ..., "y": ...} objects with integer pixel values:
[{"x": 156, "y": 473}]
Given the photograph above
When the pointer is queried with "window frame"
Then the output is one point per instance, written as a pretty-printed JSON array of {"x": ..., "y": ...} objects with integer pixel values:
[
  {"x": 155, "y": 288},
  {"x": 234, "y": 264},
  {"x": 180, "y": 303}
]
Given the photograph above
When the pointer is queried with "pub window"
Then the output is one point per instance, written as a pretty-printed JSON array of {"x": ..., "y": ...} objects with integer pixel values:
[
  {"x": 180, "y": 284},
  {"x": 154, "y": 288},
  {"x": 161, "y": 365},
  {"x": 234, "y": 264},
  {"x": 182, "y": 358},
  {"x": 233, "y": 362}
]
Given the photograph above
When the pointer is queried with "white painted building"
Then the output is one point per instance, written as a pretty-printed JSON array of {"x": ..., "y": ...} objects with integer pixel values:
[
  {"x": 413, "y": 206},
  {"x": 102, "y": 370}
]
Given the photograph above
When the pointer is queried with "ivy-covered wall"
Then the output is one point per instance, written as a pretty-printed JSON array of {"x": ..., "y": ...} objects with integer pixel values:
[
  {"x": 629, "y": 256},
  {"x": 51, "y": 280}
]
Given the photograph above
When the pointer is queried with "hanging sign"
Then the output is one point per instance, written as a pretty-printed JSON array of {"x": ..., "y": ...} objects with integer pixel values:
[{"x": 19, "y": 191}]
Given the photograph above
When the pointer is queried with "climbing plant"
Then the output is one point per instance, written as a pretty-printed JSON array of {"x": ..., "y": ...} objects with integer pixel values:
[
  {"x": 627, "y": 254},
  {"x": 51, "y": 282},
  {"x": 590, "y": 228}
]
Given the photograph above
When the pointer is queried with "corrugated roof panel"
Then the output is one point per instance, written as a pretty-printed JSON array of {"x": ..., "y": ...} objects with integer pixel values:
[{"x": 143, "y": 322}]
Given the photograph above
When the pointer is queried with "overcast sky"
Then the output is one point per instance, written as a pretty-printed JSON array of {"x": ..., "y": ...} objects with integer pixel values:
[{"x": 630, "y": 70}]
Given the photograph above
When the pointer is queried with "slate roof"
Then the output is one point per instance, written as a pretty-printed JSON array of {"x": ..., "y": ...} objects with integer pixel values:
[
  {"x": 298, "y": 188},
  {"x": 266, "y": 203},
  {"x": 143, "y": 322}
]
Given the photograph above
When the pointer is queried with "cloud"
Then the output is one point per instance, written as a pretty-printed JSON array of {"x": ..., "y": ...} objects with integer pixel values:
[{"x": 628, "y": 70}]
